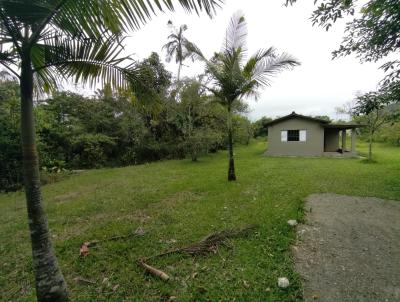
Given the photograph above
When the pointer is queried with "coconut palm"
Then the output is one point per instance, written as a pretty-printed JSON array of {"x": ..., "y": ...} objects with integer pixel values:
[
  {"x": 45, "y": 42},
  {"x": 175, "y": 48},
  {"x": 234, "y": 78}
]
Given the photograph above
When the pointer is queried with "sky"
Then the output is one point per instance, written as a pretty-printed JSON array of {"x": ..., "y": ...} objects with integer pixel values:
[{"x": 316, "y": 87}]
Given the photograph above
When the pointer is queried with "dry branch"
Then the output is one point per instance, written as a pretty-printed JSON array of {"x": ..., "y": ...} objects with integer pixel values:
[
  {"x": 83, "y": 280},
  {"x": 207, "y": 245},
  {"x": 153, "y": 270}
]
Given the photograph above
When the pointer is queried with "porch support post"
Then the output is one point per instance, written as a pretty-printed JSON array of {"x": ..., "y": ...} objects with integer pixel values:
[
  {"x": 343, "y": 140},
  {"x": 353, "y": 141}
]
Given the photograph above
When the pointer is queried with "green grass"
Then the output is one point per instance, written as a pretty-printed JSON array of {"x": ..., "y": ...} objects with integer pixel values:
[{"x": 184, "y": 201}]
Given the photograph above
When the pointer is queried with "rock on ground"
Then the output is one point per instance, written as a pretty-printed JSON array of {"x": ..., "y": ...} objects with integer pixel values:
[{"x": 349, "y": 249}]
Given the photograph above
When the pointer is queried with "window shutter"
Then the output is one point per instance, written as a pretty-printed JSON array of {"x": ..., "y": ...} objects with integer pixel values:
[
  {"x": 303, "y": 135},
  {"x": 284, "y": 136}
]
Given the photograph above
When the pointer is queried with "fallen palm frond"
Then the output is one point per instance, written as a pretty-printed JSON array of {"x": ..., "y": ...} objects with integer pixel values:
[{"x": 207, "y": 245}]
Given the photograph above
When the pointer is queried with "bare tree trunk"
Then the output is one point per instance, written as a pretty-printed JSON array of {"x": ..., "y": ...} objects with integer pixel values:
[
  {"x": 50, "y": 283},
  {"x": 231, "y": 170}
]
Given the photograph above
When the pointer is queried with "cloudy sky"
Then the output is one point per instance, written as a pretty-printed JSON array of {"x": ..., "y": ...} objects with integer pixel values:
[{"x": 316, "y": 87}]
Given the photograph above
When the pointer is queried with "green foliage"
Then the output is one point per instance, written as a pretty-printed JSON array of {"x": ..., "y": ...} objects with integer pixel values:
[
  {"x": 10, "y": 139},
  {"x": 111, "y": 129},
  {"x": 323, "y": 117},
  {"x": 260, "y": 127},
  {"x": 200, "y": 118},
  {"x": 374, "y": 110},
  {"x": 91, "y": 150},
  {"x": 389, "y": 133},
  {"x": 242, "y": 129}
]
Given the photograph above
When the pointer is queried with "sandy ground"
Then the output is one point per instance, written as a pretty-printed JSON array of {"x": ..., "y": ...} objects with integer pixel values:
[{"x": 349, "y": 249}]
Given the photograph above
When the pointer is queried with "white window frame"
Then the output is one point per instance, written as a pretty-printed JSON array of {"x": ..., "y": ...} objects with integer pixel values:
[
  {"x": 283, "y": 135},
  {"x": 302, "y": 136}
]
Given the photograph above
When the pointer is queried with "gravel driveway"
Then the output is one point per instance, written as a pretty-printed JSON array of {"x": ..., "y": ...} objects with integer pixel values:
[{"x": 349, "y": 249}]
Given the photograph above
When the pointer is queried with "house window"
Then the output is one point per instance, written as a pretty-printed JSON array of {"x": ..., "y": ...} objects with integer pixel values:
[{"x": 293, "y": 135}]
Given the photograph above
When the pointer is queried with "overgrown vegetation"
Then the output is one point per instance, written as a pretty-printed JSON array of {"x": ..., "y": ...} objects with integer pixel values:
[
  {"x": 76, "y": 132},
  {"x": 177, "y": 203}
]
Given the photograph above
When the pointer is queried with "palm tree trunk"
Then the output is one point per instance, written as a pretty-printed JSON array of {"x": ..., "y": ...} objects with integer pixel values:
[
  {"x": 50, "y": 283},
  {"x": 231, "y": 170},
  {"x": 370, "y": 146},
  {"x": 179, "y": 73}
]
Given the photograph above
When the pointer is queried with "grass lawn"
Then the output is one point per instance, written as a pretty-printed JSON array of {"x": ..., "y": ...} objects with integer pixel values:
[{"x": 176, "y": 203}]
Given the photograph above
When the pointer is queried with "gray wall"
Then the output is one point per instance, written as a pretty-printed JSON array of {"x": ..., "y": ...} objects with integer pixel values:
[
  {"x": 331, "y": 140},
  {"x": 313, "y": 146}
]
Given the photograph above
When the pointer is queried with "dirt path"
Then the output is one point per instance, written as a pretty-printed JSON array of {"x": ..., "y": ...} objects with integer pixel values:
[{"x": 349, "y": 249}]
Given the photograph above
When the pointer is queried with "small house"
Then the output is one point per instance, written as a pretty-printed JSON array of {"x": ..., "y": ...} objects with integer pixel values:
[{"x": 300, "y": 135}]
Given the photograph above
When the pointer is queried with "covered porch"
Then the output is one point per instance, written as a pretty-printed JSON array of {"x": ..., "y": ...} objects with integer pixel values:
[{"x": 340, "y": 140}]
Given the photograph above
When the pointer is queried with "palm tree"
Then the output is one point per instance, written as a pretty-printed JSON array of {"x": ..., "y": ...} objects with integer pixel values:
[
  {"x": 234, "y": 78},
  {"x": 43, "y": 43},
  {"x": 175, "y": 48}
]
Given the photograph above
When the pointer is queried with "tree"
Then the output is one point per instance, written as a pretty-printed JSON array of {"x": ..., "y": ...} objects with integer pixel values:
[
  {"x": 372, "y": 109},
  {"x": 242, "y": 129},
  {"x": 51, "y": 41},
  {"x": 234, "y": 79},
  {"x": 260, "y": 127},
  {"x": 176, "y": 48},
  {"x": 372, "y": 35},
  {"x": 195, "y": 113}
]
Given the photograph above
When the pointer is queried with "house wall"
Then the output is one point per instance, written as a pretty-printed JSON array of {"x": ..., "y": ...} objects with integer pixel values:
[
  {"x": 331, "y": 140},
  {"x": 313, "y": 146}
]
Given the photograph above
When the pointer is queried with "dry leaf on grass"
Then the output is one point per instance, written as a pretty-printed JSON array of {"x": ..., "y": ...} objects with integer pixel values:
[{"x": 84, "y": 250}]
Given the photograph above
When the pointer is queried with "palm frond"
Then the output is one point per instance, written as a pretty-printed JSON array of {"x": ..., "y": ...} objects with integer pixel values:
[
  {"x": 268, "y": 66},
  {"x": 195, "y": 51},
  {"x": 90, "y": 18},
  {"x": 236, "y": 34},
  {"x": 59, "y": 58},
  {"x": 9, "y": 60}
]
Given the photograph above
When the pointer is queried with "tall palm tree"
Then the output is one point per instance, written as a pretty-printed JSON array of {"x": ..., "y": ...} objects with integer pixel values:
[
  {"x": 43, "y": 42},
  {"x": 234, "y": 78},
  {"x": 175, "y": 48}
]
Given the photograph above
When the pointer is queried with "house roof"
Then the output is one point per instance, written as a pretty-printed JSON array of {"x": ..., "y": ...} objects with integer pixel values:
[
  {"x": 343, "y": 126},
  {"x": 295, "y": 115},
  {"x": 324, "y": 123}
]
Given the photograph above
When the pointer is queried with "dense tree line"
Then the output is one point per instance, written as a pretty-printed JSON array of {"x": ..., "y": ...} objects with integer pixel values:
[{"x": 114, "y": 129}]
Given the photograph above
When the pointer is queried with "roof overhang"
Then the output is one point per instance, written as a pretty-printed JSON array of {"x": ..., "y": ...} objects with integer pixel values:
[{"x": 343, "y": 126}]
